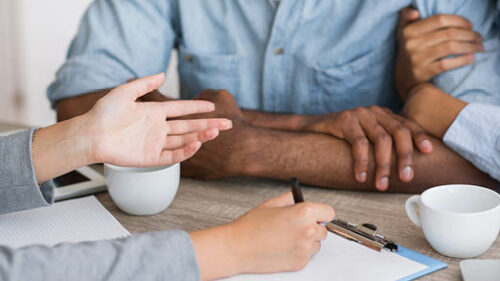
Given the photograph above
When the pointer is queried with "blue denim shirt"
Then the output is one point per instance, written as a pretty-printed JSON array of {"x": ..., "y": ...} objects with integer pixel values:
[{"x": 304, "y": 56}]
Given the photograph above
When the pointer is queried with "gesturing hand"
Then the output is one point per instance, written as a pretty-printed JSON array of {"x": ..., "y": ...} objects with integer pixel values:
[
  {"x": 131, "y": 133},
  {"x": 425, "y": 46},
  {"x": 382, "y": 127}
]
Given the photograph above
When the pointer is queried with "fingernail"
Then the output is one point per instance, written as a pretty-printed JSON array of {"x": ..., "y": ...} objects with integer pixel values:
[
  {"x": 362, "y": 177},
  {"x": 471, "y": 58},
  {"x": 481, "y": 48},
  {"x": 230, "y": 124},
  {"x": 426, "y": 144},
  {"x": 407, "y": 173},
  {"x": 383, "y": 183}
]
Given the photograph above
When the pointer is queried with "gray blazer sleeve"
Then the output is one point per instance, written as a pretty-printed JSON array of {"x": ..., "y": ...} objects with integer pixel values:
[
  {"x": 167, "y": 255},
  {"x": 19, "y": 189}
]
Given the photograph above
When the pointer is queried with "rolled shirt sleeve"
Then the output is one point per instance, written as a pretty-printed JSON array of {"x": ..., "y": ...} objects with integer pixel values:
[
  {"x": 19, "y": 189},
  {"x": 166, "y": 255},
  {"x": 475, "y": 135},
  {"x": 117, "y": 40}
]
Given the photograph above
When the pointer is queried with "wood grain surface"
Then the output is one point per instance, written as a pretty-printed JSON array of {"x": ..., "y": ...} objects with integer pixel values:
[{"x": 202, "y": 204}]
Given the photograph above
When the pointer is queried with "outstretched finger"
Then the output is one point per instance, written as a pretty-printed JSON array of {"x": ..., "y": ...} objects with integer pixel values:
[
  {"x": 180, "y": 127},
  {"x": 139, "y": 87},
  {"x": 180, "y": 108},
  {"x": 178, "y": 141},
  {"x": 169, "y": 157}
]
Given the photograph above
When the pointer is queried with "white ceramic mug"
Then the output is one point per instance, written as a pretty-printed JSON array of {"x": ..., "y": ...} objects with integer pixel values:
[
  {"x": 142, "y": 191},
  {"x": 460, "y": 221}
]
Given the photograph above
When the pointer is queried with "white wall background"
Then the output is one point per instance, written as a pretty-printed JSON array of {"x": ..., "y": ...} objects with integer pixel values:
[{"x": 34, "y": 38}]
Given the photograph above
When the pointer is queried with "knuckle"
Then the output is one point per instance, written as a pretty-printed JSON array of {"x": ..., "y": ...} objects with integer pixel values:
[
  {"x": 346, "y": 115},
  {"x": 406, "y": 33},
  {"x": 300, "y": 263},
  {"x": 305, "y": 210},
  {"x": 383, "y": 137},
  {"x": 451, "y": 47},
  {"x": 442, "y": 65},
  {"x": 310, "y": 231},
  {"x": 402, "y": 130},
  {"x": 361, "y": 141},
  {"x": 384, "y": 166},
  {"x": 441, "y": 20}
]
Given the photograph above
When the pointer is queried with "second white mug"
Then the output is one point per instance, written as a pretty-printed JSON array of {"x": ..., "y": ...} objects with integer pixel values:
[{"x": 460, "y": 221}]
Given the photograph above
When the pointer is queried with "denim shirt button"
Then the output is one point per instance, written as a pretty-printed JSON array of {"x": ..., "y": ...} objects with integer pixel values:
[
  {"x": 278, "y": 51},
  {"x": 188, "y": 58}
]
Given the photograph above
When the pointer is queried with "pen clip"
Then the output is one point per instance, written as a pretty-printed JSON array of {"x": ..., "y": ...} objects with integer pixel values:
[{"x": 365, "y": 234}]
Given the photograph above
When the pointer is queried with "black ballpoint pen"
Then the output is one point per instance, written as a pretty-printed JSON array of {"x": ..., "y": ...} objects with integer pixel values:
[{"x": 296, "y": 191}]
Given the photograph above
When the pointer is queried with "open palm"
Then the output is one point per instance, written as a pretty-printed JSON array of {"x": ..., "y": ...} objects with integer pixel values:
[{"x": 133, "y": 133}]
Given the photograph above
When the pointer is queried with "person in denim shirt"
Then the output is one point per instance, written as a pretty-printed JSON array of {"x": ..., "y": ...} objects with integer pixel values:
[{"x": 307, "y": 79}]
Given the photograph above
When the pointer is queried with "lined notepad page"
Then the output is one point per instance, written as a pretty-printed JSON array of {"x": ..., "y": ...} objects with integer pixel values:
[
  {"x": 341, "y": 259},
  {"x": 82, "y": 219}
]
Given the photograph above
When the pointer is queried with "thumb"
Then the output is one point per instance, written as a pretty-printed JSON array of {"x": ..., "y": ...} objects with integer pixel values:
[
  {"x": 406, "y": 16},
  {"x": 136, "y": 88},
  {"x": 285, "y": 199}
]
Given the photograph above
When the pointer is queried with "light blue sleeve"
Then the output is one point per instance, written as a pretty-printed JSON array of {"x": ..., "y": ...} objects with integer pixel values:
[
  {"x": 475, "y": 135},
  {"x": 117, "y": 40},
  {"x": 480, "y": 81}
]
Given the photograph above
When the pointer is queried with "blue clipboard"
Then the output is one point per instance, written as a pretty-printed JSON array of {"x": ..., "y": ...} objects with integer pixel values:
[{"x": 432, "y": 265}]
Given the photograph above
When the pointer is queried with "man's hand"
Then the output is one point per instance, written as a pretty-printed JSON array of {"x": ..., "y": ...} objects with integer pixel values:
[
  {"x": 425, "y": 46},
  {"x": 382, "y": 127}
]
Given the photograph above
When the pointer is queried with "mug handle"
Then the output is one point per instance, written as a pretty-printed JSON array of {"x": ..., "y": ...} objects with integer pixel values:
[{"x": 410, "y": 210}]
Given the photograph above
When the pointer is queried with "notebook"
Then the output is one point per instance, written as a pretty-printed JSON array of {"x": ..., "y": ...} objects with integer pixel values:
[
  {"x": 341, "y": 259},
  {"x": 77, "y": 220}
]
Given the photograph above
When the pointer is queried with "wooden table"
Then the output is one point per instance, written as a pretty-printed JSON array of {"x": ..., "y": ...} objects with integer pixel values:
[{"x": 201, "y": 204}]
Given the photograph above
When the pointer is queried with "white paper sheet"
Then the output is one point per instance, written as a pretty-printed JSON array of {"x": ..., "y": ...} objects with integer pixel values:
[
  {"x": 341, "y": 259},
  {"x": 83, "y": 219}
]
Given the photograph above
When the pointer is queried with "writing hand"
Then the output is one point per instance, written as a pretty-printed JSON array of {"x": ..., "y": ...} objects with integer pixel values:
[{"x": 273, "y": 237}]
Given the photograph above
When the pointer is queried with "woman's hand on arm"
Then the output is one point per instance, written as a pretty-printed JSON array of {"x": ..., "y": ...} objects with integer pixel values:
[
  {"x": 275, "y": 236},
  {"x": 425, "y": 47},
  {"x": 122, "y": 131}
]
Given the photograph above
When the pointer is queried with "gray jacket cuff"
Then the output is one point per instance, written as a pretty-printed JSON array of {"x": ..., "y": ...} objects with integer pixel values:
[{"x": 19, "y": 189}]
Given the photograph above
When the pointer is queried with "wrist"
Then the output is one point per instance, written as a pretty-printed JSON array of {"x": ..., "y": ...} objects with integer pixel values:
[{"x": 217, "y": 252}]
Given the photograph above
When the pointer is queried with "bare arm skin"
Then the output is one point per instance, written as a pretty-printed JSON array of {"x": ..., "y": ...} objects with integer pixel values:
[{"x": 316, "y": 159}]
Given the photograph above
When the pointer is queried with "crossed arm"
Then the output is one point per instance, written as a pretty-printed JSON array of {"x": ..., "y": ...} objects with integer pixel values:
[{"x": 316, "y": 158}]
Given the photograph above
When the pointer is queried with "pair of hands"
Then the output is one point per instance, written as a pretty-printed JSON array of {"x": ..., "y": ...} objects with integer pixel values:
[{"x": 277, "y": 235}]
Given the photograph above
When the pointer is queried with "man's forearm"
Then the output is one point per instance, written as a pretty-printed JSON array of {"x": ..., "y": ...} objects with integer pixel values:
[
  {"x": 290, "y": 122},
  {"x": 325, "y": 161}
]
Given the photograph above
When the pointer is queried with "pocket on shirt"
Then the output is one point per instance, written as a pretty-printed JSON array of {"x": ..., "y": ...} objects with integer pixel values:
[
  {"x": 207, "y": 71},
  {"x": 361, "y": 81}
]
